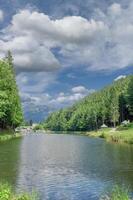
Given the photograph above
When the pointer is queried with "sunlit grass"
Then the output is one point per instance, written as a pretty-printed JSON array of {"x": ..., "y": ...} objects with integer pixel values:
[
  {"x": 120, "y": 136},
  {"x": 117, "y": 193},
  {"x": 6, "y": 193},
  {"x": 8, "y": 135}
]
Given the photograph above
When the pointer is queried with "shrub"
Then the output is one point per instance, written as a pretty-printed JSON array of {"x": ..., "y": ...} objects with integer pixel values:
[{"x": 38, "y": 127}]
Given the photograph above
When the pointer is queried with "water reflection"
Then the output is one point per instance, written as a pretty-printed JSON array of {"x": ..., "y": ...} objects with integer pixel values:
[
  {"x": 72, "y": 167},
  {"x": 9, "y": 161}
]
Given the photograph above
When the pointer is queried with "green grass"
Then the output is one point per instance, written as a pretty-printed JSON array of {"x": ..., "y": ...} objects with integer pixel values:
[
  {"x": 8, "y": 135},
  {"x": 120, "y": 135},
  {"x": 117, "y": 193},
  {"x": 6, "y": 193}
]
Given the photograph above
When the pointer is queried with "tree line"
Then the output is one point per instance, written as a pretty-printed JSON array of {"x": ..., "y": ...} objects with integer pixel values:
[
  {"x": 10, "y": 106},
  {"x": 111, "y": 106}
]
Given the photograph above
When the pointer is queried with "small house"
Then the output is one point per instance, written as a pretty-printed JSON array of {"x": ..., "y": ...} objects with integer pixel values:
[
  {"x": 104, "y": 126},
  {"x": 125, "y": 122}
]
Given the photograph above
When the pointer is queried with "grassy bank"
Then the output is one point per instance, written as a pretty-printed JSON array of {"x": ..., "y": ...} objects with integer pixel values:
[
  {"x": 118, "y": 135},
  {"x": 117, "y": 193},
  {"x": 121, "y": 134},
  {"x": 6, "y": 193},
  {"x": 8, "y": 135}
]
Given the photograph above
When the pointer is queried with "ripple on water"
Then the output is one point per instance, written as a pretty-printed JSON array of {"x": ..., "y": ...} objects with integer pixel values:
[{"x": 62, "y": 167}]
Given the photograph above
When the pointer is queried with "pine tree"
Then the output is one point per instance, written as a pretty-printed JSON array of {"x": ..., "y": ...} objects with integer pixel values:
[
  {"x": 130, "y": 96},
  {"x": 108, "y": 105},
  {"x": 10, "y": 106}
]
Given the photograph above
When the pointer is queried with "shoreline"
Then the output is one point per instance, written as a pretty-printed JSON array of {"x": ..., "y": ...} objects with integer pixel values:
[
  {"x": 6, "y": 135},
  {"x": 115, "y": 136},
  {"x": 109, "y": 134}
]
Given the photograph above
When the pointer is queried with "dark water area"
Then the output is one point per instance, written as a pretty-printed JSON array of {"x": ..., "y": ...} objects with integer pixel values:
[{"x": 65, "y": 167}]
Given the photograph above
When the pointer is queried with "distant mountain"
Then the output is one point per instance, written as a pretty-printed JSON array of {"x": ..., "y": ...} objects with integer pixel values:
[
  {"x": 36, "y": 113},
  {"x": 111, "y": 105}
]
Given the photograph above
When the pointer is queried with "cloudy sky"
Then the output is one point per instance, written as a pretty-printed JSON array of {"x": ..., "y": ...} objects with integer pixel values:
[{"x": 65, "y": 50}]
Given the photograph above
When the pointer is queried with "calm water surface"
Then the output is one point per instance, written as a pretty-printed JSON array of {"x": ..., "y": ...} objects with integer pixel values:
[{"x": 65, "y": 167}]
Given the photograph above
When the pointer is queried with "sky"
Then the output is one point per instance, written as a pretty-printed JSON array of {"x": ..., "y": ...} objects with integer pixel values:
[{"x": 64, "y": 50}]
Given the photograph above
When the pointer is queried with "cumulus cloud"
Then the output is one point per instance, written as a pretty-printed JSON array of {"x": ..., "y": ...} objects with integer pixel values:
[
  {"x": 104, "y": 42},
  {"x": 120, "y": 77},
  {"x": 38, "y": 102},
  {"x": 1, "y": 15},
  {"x": 79, "y": 89},
  {"x": 29, "y": 54},
  {"x": 68, "y": 98},
  {"x": 31, "y": 35},
  {"x": 35, "y": 82},
  {"x": 71, "y": 29}
]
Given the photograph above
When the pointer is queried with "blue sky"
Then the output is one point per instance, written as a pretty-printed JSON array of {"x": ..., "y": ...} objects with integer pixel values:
[{"x": 65, "y": 50}]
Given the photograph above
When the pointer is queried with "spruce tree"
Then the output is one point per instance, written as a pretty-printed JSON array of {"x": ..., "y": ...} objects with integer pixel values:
[
  {"x": 130, "y": 97},
  {"x": 10, "y": 106}
]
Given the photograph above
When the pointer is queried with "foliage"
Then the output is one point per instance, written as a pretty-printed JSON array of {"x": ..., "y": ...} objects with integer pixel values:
[
  {"x": 130, "y": 96},
  {"x": 117, "y": 193},
  {"x": 10, "y": 107},
  {"x": 111, "y": 105},
  {"x": 38, "y": 127},
  {"x": 6, "y": 193},
  {"x": 5, "y": 137}
]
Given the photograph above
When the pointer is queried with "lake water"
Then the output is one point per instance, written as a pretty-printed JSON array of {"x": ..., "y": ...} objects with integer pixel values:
[{"x": 65, "y": 167}]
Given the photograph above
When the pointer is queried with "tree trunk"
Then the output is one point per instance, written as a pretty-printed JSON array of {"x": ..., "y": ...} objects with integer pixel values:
[{"x": 114, "y": 124}]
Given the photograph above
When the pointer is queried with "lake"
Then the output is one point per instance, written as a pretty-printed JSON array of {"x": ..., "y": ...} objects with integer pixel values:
[{"x": 65, "y": 167}]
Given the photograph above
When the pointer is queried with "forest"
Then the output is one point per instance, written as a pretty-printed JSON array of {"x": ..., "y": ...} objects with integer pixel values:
[
  {"x": 11, "y": 114},
  {"x": 110, "y": 106}
]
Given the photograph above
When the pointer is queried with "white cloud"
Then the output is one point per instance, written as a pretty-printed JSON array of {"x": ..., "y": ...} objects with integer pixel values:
[
  {"x": 1, "y": 15},
  {"x": 68, "y": 98},
  {"x": 35, "y": 82},
  {"x": 29, "y": 54},
  {"x": 71, "y": 29},
  {"x": 104, "y": 42},
  {"x": 38, "y": 101},
  {"x": 120, "y": 77},
  {"x": 79, "y": 89},
  {"x": 31, "y": 35},
  {"x": 115, "y": 9}
]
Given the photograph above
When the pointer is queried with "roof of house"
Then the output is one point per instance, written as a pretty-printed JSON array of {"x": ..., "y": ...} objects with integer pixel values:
[{"x": 104, "y": 126}]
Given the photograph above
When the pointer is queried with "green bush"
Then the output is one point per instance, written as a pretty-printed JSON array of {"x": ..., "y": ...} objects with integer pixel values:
[
  {"x": 130, "y": 125},
  {"x": 38, "y": 127},
  {"x": 102, "y": 135}
]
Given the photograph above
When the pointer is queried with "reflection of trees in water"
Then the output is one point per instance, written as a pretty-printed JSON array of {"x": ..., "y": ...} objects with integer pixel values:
[
  {"x": 9, "y": 161},
  {"x": 87, "y": 158},
  {"x": 118, "y": 159}
]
